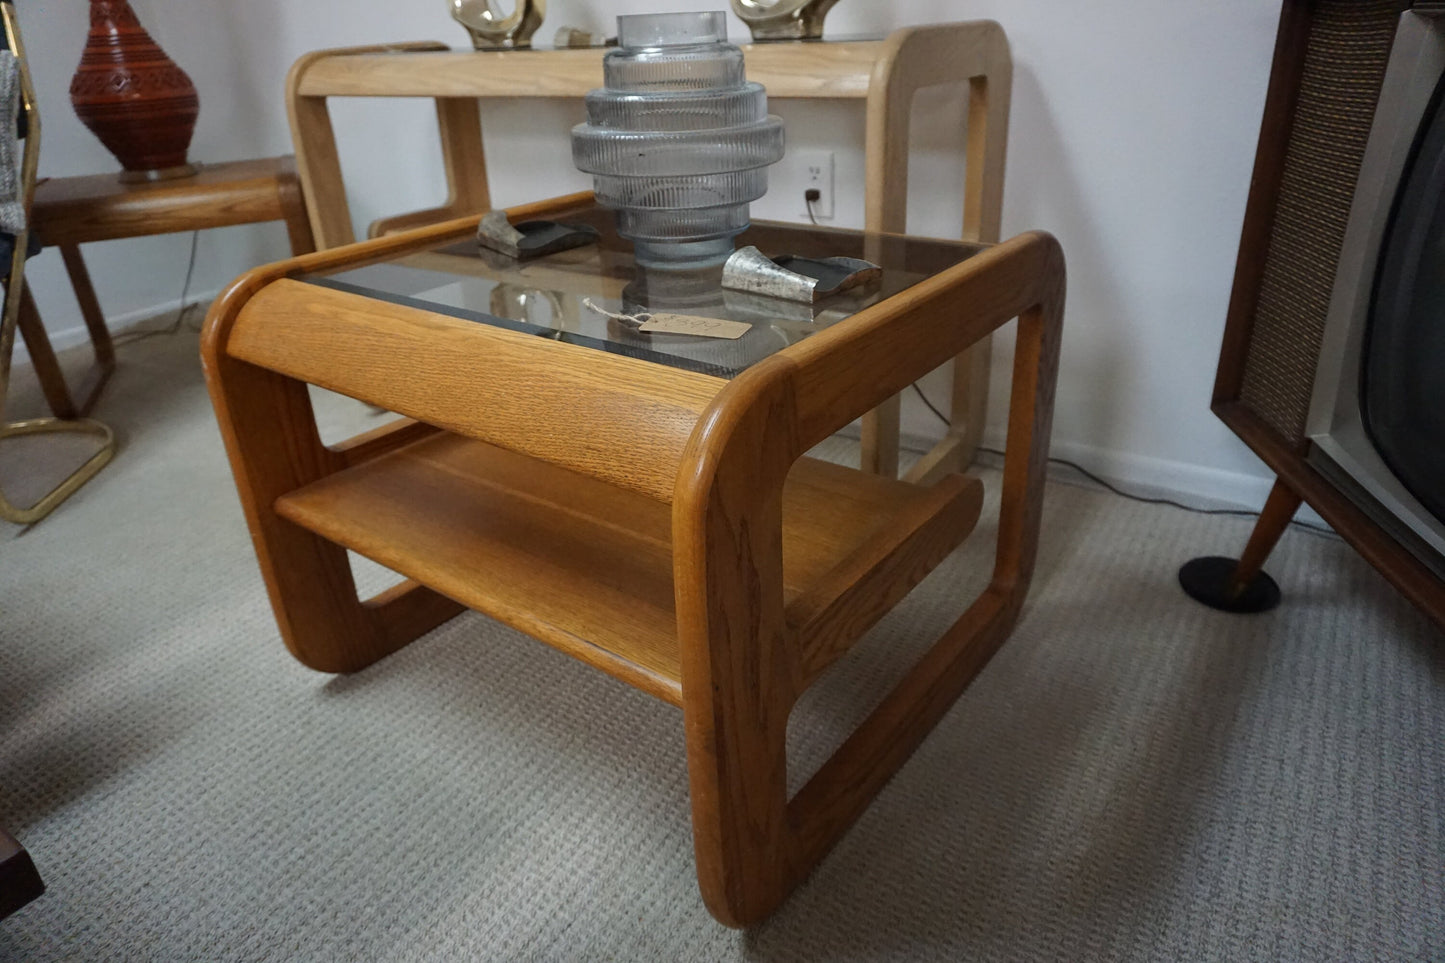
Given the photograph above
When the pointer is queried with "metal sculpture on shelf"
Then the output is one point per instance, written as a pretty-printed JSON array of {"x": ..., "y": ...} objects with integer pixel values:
[
  {"x": 783, "y": 19},
  {"x": 491, "y": 30}
]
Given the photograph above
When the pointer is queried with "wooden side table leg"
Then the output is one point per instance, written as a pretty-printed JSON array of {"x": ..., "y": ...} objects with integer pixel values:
[
  {"x": 319, "y": 167},
  {"x": 840, "y": 791},
  {"x": 978, "y": 54},
  {"x": 989, "y": 94},
  {"x": 100, "y": 339},
  {"x": 298, "y": 222},
  {"x": 42, "y": 356},
  {"x": 890, "y": 100},
  {"x": 739, "y": 673},
  {"x": 271, "y": 437},
  {"x": 879, "y": 441},
  {"x": 317, "y": 163},
  {"x": 459, "y": 123}
]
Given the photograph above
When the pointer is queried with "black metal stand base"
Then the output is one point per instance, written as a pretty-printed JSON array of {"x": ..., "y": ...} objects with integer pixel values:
[{"x": 1207, "y": 580}]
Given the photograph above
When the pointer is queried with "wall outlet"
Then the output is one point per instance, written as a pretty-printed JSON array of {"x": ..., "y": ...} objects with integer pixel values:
[{"x": 818, "y": 176}]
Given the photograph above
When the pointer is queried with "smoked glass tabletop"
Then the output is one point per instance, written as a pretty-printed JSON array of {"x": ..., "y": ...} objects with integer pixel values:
[{"x": 590, "y": 295}]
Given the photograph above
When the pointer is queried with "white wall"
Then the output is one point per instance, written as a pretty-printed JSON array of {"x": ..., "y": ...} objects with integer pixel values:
[{"x": 1132, "y": 137}]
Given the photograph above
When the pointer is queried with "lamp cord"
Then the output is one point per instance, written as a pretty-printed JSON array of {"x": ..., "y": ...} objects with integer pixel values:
[
  {"x": 175, "y": 325},
  {"x": 1239, "y": 512}
]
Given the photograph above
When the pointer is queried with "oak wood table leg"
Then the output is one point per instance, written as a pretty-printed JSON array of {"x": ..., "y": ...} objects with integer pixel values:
[
  {"x": 314, "y": 141},
  {"x": 978, "y": 55},
  {"x": 100, "y": 339},
  {"x": 880, "y": 438},
  {"x": 293, "y": 209},
  {"x": 274, "y": 447},
  {"x": 742, "y": 671},
  {"x": 42, "y": 357}
]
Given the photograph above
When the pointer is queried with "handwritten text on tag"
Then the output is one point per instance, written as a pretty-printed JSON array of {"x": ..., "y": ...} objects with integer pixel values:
[{"x": 691, "y": 324}]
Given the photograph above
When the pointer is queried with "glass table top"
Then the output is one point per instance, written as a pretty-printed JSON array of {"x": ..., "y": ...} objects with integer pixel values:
[{"x": 573, "y": 296}]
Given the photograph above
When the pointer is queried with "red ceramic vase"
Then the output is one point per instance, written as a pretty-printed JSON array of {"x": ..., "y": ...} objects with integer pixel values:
[{"x": 131, "y": 95}]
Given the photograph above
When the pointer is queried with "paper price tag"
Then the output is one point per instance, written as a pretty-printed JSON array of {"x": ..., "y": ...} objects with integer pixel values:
[{"x": 691, "y": 324}]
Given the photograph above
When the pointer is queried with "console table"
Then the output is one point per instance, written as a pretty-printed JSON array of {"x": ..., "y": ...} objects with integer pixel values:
[
  {"x": 885, "y": 74},
  {"x": 641, "y": 502}
]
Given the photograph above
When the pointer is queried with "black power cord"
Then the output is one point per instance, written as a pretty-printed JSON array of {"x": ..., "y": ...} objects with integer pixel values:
[
  {"x": 812, "y": 196},
  {"x": 1238, "y": 512}
]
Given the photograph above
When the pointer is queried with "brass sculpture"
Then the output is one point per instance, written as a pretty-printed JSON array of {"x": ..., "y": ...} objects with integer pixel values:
[
  {"x": 783, "y": 19},
  {"x": 492, "y": 31}
]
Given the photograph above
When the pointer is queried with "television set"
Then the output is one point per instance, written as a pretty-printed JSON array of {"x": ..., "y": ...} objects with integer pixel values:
[
  {"x": 1377, "y": 414},
  {"x": 1333, "y": 363}
]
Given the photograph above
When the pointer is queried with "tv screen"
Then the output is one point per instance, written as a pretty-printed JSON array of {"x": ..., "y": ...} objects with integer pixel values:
[{"x": 1402, "y": 389}]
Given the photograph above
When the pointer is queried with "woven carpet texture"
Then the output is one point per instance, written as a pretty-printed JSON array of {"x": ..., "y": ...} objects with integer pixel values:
[{"x": 1133, "y": 777}]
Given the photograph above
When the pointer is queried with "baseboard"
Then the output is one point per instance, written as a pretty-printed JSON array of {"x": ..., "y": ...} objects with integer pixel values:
[
  {"x": 1197, "y": 486},
  {"x": 118, "y": 325}
]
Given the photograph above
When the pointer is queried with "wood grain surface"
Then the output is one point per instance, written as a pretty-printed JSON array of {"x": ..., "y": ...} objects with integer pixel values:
[
  {"x": 886, "y": 73},
  {"x": 742, "y": 667},
  {"x": 587, "y": 567},
  {"x": 762, "y": 570},
  {"x": 99, "y": 207},
  {"x": 616, "y": 418},
  {"x": 834, "y": 70}
]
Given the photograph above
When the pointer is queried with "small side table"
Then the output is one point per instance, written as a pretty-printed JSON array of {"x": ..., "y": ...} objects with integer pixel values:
[
  {"x": 71, "y": 211},
  {"x": 642, "y": 501}
]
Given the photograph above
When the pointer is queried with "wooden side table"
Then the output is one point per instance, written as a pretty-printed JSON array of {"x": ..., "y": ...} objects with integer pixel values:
[
  {"x": 71, "y": 211},
  {"x": 641, "y": 502},
  {"x": 885, "y": 74}
]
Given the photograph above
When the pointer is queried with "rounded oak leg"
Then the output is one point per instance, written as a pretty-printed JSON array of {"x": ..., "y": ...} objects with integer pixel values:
[{"x": 1242, "y": 585}]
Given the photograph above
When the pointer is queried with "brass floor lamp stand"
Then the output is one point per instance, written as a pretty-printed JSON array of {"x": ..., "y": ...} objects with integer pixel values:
[{"x": 14, "y": 294}]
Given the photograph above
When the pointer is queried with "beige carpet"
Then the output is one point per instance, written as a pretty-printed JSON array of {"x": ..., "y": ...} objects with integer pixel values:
[{"x": 1134, "y": 777}]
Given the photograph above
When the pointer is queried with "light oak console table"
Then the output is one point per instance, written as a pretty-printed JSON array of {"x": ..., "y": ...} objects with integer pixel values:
[
  {"x": 641, "y": 502},
  {"x": 885, "y": 74}
]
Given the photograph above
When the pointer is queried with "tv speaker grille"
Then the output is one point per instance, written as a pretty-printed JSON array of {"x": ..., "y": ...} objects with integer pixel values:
[{"x": 1344, "y": 65}]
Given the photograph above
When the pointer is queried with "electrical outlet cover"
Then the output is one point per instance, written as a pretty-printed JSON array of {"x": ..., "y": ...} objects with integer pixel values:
[{"x": 818, "y": 173}]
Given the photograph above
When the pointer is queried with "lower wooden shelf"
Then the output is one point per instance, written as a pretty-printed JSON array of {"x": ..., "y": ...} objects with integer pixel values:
[{"x": 587, "y": 567}]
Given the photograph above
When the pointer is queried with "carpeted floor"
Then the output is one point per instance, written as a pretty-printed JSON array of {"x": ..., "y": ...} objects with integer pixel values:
[{"x": 1134, "y": 777}]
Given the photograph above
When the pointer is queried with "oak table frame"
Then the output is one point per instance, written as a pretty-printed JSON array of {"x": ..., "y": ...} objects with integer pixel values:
[
  {"x": 663, "y": 493},
  {"x": 71, "y": 211},
  {"x": 886, "y": 74}
]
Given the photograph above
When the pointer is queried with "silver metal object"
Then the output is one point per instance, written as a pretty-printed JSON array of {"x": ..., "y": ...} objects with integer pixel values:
[
  {"x": 783, "y": 19},
  {"x": 750, "y": 270},
  {"x": 758, "y": 308},
  {"x": 492, "y": 31},
  {"x": 530, "y": 238}
]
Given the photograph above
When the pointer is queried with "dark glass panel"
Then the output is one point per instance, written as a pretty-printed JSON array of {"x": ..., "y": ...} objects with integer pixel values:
[{"x": 1402, "y": 387}]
